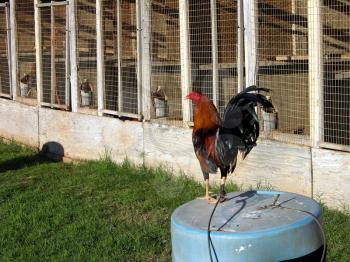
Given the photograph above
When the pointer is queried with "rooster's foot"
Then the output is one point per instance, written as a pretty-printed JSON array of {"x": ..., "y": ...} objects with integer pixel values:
[
  {"x": 209, "y": 199},
  {"x": 223, "y": 199}
]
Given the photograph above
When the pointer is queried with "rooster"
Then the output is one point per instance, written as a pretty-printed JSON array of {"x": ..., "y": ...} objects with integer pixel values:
[{"x": 217, "y": 141}]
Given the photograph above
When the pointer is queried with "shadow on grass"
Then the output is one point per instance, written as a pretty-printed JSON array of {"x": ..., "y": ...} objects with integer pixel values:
[
  {"x": 51, "y": 152},
  {"x": 22, "y": 162}
]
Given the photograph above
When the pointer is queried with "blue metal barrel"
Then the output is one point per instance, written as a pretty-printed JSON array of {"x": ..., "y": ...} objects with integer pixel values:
[{"x": 247, "y": 227}]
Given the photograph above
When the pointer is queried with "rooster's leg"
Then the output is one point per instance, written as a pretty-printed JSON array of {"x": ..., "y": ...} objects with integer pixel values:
[
  {"x": 222, "y": 187},
  {"x": 222, "y": 184},
  {"x": 207, "y": 193}
]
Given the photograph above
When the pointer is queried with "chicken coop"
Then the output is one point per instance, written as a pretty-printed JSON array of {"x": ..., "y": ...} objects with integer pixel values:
[{"x": 138, "y": 59}]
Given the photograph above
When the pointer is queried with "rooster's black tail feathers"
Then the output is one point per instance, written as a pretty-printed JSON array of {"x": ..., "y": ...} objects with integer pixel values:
[{"x": 240, "y": 125}]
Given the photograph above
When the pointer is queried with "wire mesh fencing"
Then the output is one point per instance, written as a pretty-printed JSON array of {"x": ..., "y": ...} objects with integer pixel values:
[
  {"x": 54, "y": 55},
  {"x": 336, "y": 66},
  {"x": 166, "y": 66},
  {"x": 283, "y": 55},
  {"x": 26, "y": 48},
  {"x": 227, "y": 41},
  {"x": 5, "y": 82},
  {"x": 86, "y": 53},
  {"x": 128, "y": 57},
  {"x": 120, "y": 56},
  {"x": 110, "y": 35},
  {"x": 200, "y": 30},
  {"x": 213, "y": 44},
  {"x": 282, "y": 60}
]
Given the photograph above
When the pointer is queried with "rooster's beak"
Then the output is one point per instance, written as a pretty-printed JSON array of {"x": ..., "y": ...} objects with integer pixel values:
[{"x": 187, "y": 97}]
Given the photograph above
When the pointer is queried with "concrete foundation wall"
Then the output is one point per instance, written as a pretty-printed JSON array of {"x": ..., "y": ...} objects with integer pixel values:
[
  {"x": 19, "y": 122},
  {"x": 271, "y": 164}
]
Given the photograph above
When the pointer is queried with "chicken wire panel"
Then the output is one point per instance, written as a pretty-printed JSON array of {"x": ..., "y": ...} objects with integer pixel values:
[
  {"x": 45, "y": 13},
  {"x": 201, "y": 46},
  {"x": 336, "y": 57},
  {"x": 5, "y": 83},
  {"x": 86, "y": 47},
  {"x": 110, "y": 33},
  {"x": 129, "y": 56},
  {"x": 201, "y": 22},
  {"x": 26, "y": 48},
  {"x": 54, "y": 51},
  {"x": 227, "y": 51},
  {"x": 166, "y": 65},
  {"x": 282, "y": 58}
]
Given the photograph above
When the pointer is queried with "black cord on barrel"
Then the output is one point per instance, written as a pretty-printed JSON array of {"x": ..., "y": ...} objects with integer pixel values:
[
  {"x": 210, "y": 243},
  {"x": 274, "y": 205}
]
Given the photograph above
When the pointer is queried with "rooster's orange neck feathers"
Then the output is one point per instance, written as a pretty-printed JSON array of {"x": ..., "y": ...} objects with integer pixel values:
[{"x": 206, "y": 116}]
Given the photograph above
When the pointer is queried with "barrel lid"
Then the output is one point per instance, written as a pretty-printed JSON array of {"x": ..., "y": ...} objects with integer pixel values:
[{"x": 248, "y": 213}]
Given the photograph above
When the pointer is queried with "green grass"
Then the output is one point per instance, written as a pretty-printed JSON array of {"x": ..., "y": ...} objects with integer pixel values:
[{"x": 98, "y": 210}]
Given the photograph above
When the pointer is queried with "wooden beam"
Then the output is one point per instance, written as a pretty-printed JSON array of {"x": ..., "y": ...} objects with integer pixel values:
[
  {"x": 67, "y": 62},
  {"x": 214, "y": 50},
  {"x": 294, "y": 37},
  {"x": 38, "y": 52},
  {"x": 186, "y": 81},
  {"x": 120, "y": 57},
  {"x": 315, "y": 72},
  {"x": 9, "y": 55},
  {"x": 250, "y": 41},
  {"x": 240, "y": 48},
  {"x": 53, "y": 55},
  {"x": 52, "y": 3},
  {"x": 139, "y": 56},
  {"x": 100, "y": 58},
  {"x": 13, "y": 51},
  {"x": 73, "y": 57},
  {"x": 146, "y": 58},
  {"x": 122, "y": 114}
]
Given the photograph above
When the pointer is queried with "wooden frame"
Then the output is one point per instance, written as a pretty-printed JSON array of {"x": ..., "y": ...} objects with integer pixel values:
[
  {"x": 214, "y": 50},
  {"x": 250, "y": 41},
  {"x": 100, "y": 58},
  {"x": 139, "y": 56},
  {"x": 247, "y": 36},
  {"x": 315, "y": 72},
  {"x": 8, "y": 35},
  {"x": 13, "y": 50},
  {"x": 145, "y": 9},
  {"x": 38, "y": 52},
  {"x": 120, "y": 57},
  {"x": 100, "y": 62},
  {"x": 68, "y": 65},
  {"x": 185, "y": 56},
  {"x": 38, "y": 46},
  {"x": 73, "y": 57},
  {"x": 240, "y": 46}
]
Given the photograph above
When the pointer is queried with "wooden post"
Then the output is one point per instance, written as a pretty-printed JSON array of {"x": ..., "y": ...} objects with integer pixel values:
[
  {"x": 186, "y": 82},
  {"x": 240, "y": 47},
  {"x": 13, "y": 52},
  {"x": 9, "y": 56},
  {"x": 214, "y": 50},
  {"x": 294, "y": 37},
  {"x": 73, "y": 57},
  {"x": 250, "y": 43},
  {"x": 315, "y": 72},
  {"x": 38, "y": 52},
  {"x": 119, "y": 46},
  {"x": 67, "y": 82},
  {"x": 146, "y": 7},
  {"x": 139, "y": 56},
  {"x": 53, "y": 57},
  {"x": 100, "y": 58}
]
